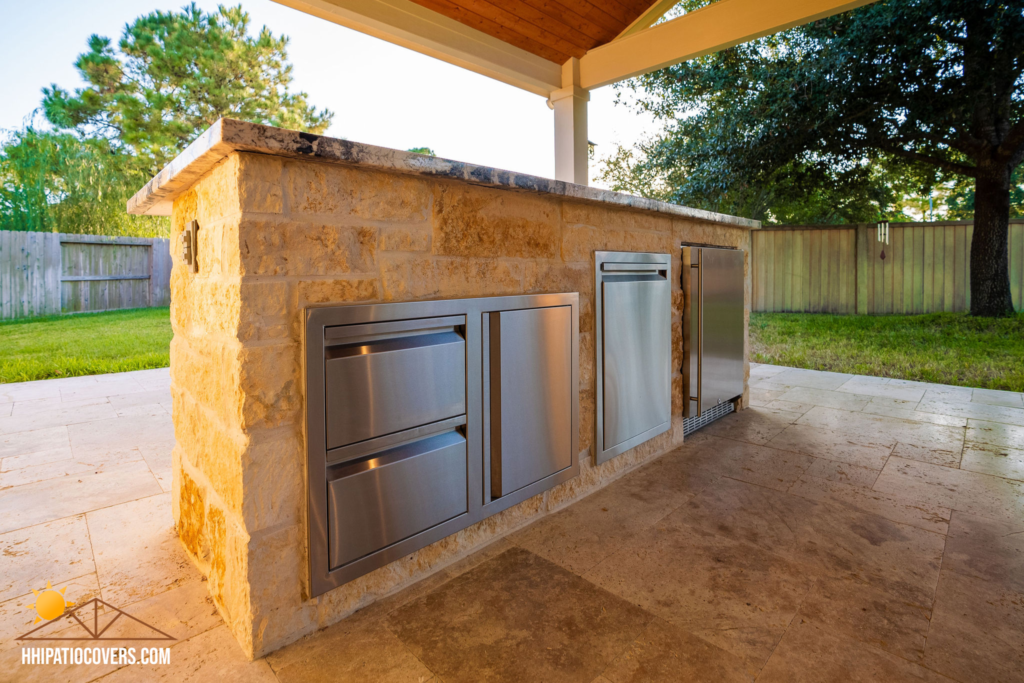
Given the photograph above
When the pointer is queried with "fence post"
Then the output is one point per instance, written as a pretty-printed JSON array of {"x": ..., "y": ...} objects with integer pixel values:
[
  {"x": 149, "y": 269},
  {"x": 862, "y": 268}
]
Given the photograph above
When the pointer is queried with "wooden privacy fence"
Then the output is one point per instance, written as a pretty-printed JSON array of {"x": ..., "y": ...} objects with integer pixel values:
[
  {"x": 840, "y": 269},
  {"x": 45, "y": 273}
]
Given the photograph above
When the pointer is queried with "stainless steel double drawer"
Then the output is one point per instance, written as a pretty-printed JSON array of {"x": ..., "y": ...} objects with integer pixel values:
[{"x": 425, "y": 417}]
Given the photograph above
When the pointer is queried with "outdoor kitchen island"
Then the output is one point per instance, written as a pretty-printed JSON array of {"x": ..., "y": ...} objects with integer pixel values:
[{"x": 277, "y": 223}]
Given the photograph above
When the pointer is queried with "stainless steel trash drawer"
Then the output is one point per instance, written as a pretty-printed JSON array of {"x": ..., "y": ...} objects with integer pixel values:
[
  {"x": 388, "y": 377},
  {"x": 634, "y": 350},
  {"x": 375, "y": 503},
  {"x": 528, "y": 395}
]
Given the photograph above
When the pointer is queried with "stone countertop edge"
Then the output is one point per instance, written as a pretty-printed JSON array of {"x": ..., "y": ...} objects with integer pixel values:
[{"x": 230, "y": 135}]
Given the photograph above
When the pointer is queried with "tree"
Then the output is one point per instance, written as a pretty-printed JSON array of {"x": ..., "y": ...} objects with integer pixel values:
[
  {"x": 58, "y": 182},
  {"x": 169, "y": 78},
  {"x": 929, "y": 90}
]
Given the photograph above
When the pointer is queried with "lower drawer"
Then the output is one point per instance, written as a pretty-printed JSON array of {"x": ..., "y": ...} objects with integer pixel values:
[{"x": 397, "y": 494}]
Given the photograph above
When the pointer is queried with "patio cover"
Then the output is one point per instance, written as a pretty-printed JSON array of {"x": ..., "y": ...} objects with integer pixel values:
[{"x": 562, "y": 49}]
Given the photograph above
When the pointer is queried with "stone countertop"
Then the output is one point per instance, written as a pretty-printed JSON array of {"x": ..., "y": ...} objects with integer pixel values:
[{"x": 229, "y": 135}]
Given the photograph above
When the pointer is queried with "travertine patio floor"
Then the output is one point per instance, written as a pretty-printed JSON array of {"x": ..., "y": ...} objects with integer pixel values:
[{"x": 843, "y": 528}]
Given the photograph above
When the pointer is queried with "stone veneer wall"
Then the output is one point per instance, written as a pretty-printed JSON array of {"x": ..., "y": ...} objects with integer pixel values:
[{"x": 277, "y": 235}]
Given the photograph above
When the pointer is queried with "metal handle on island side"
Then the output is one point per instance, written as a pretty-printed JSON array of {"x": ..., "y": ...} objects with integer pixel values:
[{"x": 693, "y": 319}]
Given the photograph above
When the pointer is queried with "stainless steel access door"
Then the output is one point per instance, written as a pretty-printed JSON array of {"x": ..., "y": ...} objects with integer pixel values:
[
  {"x": 634, "y": 350},
  {"x": 527, "y": 396},
  {"x": 713, "y": 339}
]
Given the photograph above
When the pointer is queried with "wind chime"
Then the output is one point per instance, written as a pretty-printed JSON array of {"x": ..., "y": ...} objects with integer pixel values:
[{"x": 883, "y": 235}]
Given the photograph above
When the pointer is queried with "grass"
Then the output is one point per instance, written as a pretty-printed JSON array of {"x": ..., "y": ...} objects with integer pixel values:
[
  {"x": 84, "y": 344},
  {"x": 947, "y": 348}
]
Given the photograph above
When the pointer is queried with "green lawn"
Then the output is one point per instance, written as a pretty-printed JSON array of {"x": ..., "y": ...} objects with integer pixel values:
[
  {"x": 948, "y": 348},
  {"x": 84, "y": 344}
]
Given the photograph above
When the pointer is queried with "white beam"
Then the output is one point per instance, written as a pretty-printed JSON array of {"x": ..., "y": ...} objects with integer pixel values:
[
  {"x": 414, "y": 27},
  {"x": 648, "y": 18},
  {"x": 571, "y": 144},
  {"x": 715, "y": 27}
]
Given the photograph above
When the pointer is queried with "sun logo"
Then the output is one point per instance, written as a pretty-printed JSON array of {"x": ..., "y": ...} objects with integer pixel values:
[{"x": 50, "y": 603}]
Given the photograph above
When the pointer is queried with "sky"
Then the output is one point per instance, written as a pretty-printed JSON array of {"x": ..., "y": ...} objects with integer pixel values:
[{"x": 380, "y": 93}]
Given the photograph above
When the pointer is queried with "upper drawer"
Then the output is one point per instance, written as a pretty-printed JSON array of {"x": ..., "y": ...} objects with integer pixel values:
[{"x": 388, "y": 377}]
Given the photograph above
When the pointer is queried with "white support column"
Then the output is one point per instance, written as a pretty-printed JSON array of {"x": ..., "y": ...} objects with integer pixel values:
[{"x": 571, "y": 144}]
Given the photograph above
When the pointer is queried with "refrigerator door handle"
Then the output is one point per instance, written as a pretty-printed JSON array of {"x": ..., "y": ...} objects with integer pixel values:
[{"x": 693, "y": 323}]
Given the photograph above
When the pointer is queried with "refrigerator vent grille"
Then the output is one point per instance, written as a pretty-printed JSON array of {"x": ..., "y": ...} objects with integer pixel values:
[{"x": 692, "y": 424}]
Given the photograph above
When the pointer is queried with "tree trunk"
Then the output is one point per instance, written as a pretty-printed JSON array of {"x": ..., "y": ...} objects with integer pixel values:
[{"x": 990, "y": 265}]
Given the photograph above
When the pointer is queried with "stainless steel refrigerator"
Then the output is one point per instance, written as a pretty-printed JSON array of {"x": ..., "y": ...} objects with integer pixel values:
[{"x": 712, "y": 282}]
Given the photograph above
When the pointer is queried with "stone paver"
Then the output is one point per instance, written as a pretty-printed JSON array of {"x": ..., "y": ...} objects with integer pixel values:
[{"x": 841, "y": 528}]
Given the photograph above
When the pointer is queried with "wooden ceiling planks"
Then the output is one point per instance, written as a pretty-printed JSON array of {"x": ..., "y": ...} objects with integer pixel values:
[{"x": 554, "y": 30}]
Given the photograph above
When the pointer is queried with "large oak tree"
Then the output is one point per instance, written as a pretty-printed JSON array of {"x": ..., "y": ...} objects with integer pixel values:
[{"x": 915, "y": 87}]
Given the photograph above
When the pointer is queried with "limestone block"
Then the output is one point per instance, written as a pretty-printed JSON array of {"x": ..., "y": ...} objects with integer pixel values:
[
  {"x": 204, "y": 306},
  {"x": 677, "y": 393},
  {"x": 300, "y": 248},
  {"x": 216, "y": 193},
  {"x": 634, "y": 457},
  {"x": 405, "y": 277},
  {"x": 651, "y": 221},
  {"x": 268, "y": 312},
  {"x": 274, "y": 480},
  {"x": 259, "y": 183},
  {"x": 228, "y": 575},
  {"x": 218, "y": 550},
  {"x": 585, "y": 213},
  {"x": 336, "y": 291},
  {"x": 405, "y": 238},
  {"x": 270, "y": 386},
  {"x": 217, "y": 184},
  {"x": 588, "y": 314},
  {"x": 191, "y": 519},
  {"x": 579, "y": 242},
  {"x": 588, "y": 361},
  {"x": 340, "y": 191},
  {"x": 209, "y": 374},
  {"x": 595, "y": 216},
  {"x": 554, "y": 276},
  {"x": 502, "y": 523},
  {"x": 482, "y": 222},
  {"x": 184, "y": 210},
  {"x": 230, "y": 246},
  {"x": 687, "y": 230},
  {"x": 209, "y": 248},
  {"x": 276, "y": 573},
  {"x": 176, "y": 456},
  {"x": 588, "y": 480},
  {"x": 210, "y": 449},
  {"x": 588, "y": 413}
]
